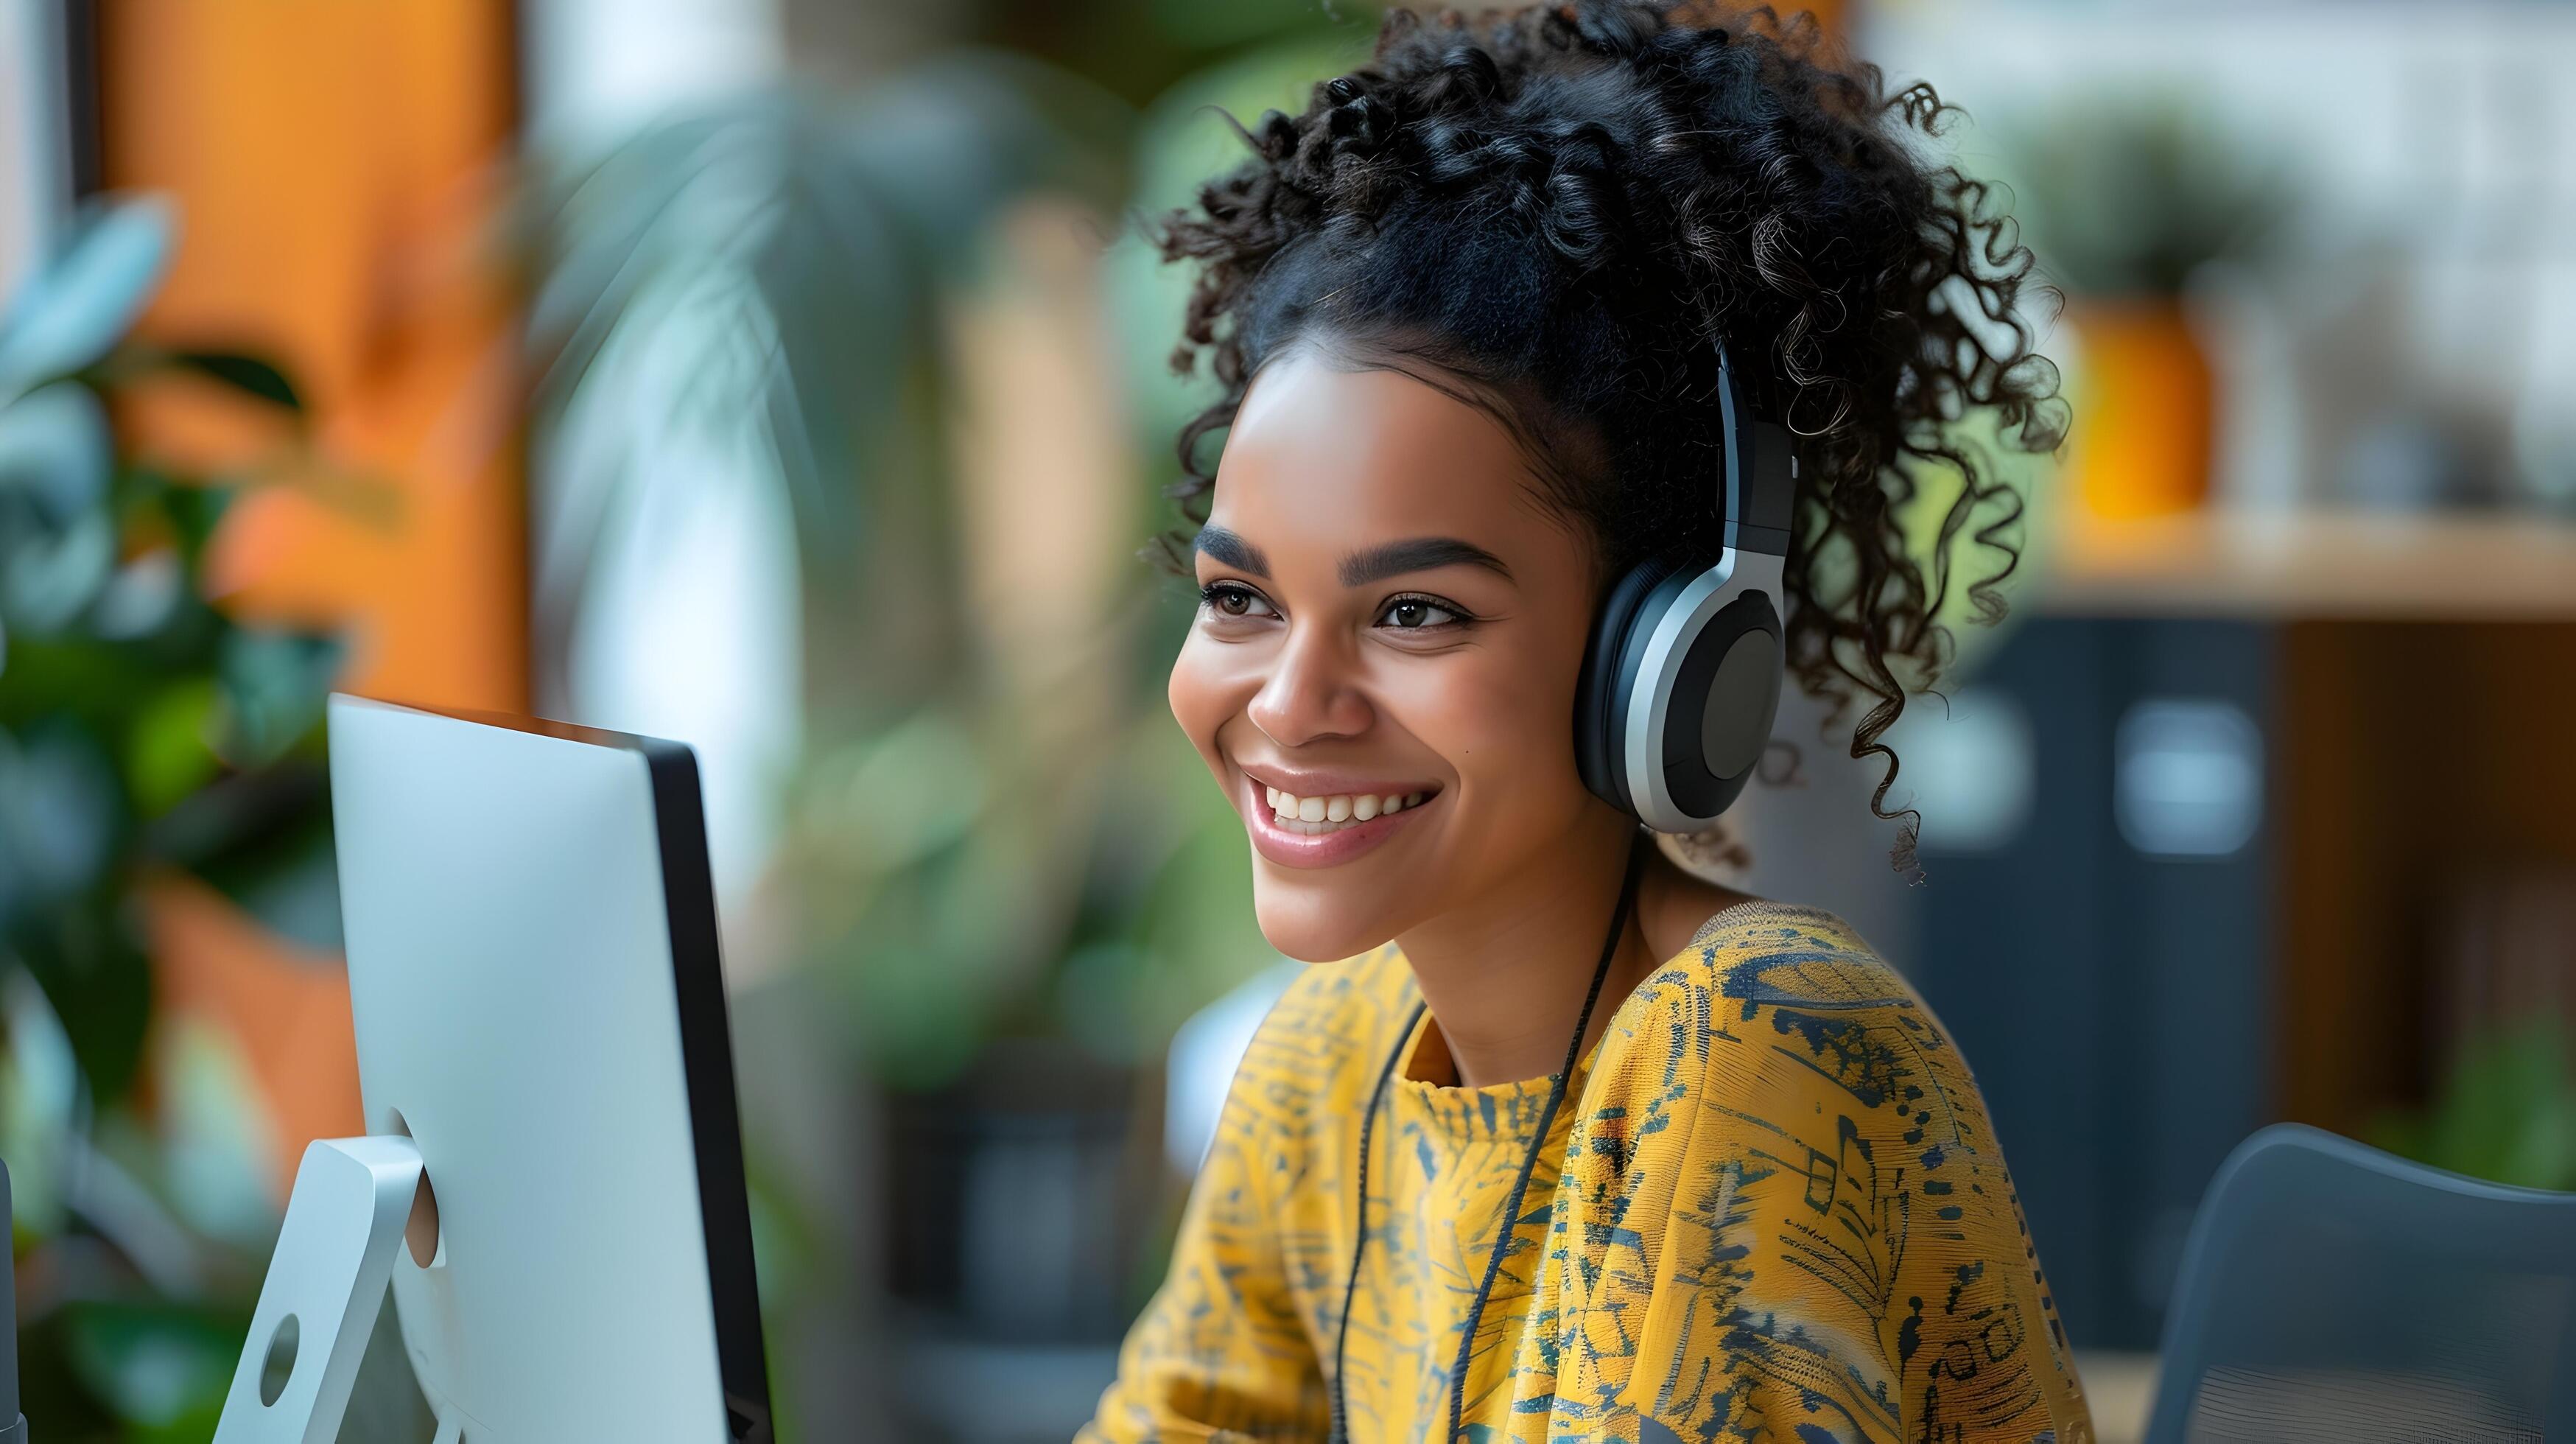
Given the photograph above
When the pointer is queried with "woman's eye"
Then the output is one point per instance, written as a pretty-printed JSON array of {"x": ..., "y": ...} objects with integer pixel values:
[
  {"x": 1413, "y": 614},
  {"x": 1227, "y": 600}
]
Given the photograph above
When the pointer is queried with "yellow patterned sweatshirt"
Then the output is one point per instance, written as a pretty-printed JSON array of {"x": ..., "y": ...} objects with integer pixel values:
[{"x": 1771, "y": 1210}]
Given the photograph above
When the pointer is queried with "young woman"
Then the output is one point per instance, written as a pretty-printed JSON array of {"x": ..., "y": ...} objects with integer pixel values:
[{"x": 1515, "y": 326}]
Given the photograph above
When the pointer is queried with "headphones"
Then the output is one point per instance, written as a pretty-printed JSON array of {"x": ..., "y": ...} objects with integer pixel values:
[{"x": 1681, "y": 681}]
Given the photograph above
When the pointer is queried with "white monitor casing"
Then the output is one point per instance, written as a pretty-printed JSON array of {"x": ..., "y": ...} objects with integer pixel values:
[{"x": 540, "y": 1006}]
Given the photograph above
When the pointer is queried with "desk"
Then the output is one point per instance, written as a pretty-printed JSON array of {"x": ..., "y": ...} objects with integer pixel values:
[{"x": 2121, "y": 1388}]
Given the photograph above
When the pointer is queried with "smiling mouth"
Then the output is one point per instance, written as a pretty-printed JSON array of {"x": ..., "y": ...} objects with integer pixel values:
[{"x": 1316, "y": 816}]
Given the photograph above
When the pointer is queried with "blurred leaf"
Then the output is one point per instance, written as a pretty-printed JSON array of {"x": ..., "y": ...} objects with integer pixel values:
[
  {"x": 57, "y": 537},
  {"x": 213, "y": 1134},
  {"x": 281, "y": 868},
  {"x": 2128, "y": 195},
  {"x": 40, "y": 1094},
  {"x": 274, "y": 688},
  {"x": 159, "y": 1366},
  {"x": 54, "y": 449},
  {"x": 247, "y": 374},
  {"x": 2506, "y": 1112},
  {"x": 52, "y": 1393},
  {"x": 141, "y": 596},
  {"x": 825, "y": 229},
  {"x": 192, "y": 513},
  {"x": 89, "y": 293},
  {"x": 88, "y": 957},
  {"x": 169, "y": 752},
  {"x": 60, "y": 813},
  {"x": 62, "y": 830},
  {"x": 98, "y": 685}
]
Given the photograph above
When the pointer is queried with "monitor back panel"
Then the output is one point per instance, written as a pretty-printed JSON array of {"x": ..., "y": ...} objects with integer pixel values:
[{"x": 511, "y": 975}]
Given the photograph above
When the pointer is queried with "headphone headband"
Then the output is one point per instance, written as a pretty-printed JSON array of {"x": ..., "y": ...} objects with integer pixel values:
[{"x": 1760, "y": 476}]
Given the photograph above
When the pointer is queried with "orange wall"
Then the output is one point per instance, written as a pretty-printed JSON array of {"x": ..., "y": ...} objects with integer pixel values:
[{"x": 336, "y": 167}]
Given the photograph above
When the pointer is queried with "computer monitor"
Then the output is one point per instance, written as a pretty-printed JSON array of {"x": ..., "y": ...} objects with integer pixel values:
[{"x": 540, "y": 1007}]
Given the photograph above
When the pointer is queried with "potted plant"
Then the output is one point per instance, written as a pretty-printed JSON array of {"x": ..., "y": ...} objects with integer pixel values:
[
  {"x": 2124, "y": 201},
  {"x": 145, "y": 737}
]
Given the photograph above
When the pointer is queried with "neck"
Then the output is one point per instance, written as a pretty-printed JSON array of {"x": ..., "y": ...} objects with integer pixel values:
[{"x": 1504, "y": 978}]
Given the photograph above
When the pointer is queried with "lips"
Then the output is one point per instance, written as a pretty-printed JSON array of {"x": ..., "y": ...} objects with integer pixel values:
[{"x": 1326, "y": 829}]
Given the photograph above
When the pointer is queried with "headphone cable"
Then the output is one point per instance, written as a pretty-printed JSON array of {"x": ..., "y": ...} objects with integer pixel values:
[{"x": 1509, "y": 1225}]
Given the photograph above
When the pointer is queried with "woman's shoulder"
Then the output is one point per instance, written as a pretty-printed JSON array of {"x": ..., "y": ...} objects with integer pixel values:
[
  {"x": 1763, "y": 954},
  {"x": 1795, "y": 1157},
  {"x": 1778, "y": 989}
]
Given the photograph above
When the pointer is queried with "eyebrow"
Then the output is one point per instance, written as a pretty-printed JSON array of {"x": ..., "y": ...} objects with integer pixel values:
[
  {"x": 1417, "y": 554},
  {"x": 1232, "y": 550}
]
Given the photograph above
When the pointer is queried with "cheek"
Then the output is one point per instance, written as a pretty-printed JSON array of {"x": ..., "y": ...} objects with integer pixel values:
[
  {"x": 1203, "y": 693},
  {"x": 1501, "y": 717}
]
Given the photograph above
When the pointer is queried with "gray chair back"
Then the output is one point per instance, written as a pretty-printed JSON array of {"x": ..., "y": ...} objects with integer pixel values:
[{"x": 2332, "y": 1292}]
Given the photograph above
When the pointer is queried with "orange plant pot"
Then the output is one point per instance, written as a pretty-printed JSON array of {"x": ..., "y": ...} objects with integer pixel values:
[{"x": 2143, "y": 421}]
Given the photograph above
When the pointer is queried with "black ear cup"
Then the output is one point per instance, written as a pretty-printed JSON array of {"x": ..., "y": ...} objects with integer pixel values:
[
  {"x": 1680, "y": 688},
  {"x": 1725, "y": 697},
  {"x": 1681, "y": 682}
]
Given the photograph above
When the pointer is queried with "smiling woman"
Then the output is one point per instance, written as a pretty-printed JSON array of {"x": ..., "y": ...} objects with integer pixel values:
[
  {"x": 1389, "y": 613},
  {"x": 1558, "y": 1141}
]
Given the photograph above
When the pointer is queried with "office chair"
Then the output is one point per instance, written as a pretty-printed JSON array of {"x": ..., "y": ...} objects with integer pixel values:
[{"x": 2332, "y": 1292}]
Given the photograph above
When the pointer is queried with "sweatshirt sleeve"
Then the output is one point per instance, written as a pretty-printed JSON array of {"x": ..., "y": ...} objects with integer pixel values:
[{"x": 1220, "y": 1352}]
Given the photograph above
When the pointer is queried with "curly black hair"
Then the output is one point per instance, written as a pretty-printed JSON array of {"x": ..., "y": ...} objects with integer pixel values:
[{"x": 1562, "y": 207}]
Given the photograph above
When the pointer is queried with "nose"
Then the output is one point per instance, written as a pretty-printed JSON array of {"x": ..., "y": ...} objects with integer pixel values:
[{"x": 1311, "y": 694}]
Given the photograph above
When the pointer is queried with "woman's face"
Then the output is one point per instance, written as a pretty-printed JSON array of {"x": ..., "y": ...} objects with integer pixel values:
[{"x": 1382, "y": 672}]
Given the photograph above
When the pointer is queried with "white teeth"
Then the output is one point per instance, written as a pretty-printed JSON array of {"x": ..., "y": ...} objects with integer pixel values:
[{"x": 1315, "y": 815}]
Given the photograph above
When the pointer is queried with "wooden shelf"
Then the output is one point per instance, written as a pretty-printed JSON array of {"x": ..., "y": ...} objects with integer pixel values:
[{"x": 2455, "y": 566}]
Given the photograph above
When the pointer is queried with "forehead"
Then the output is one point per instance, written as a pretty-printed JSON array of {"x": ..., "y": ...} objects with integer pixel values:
[{"x": 1336, "y": 456}]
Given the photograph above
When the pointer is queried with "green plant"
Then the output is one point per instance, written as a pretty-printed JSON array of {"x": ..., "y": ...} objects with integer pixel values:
[
  {"x": 142, "y": 732},
  {"x": 2506, "y": 1111},
  {"x": 955, "y": 846},
  {"x": 2129, "y": 195}
]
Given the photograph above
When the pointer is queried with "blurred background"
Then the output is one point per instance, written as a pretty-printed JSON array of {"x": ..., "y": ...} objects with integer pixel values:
[{"x": 787, "y": 377}]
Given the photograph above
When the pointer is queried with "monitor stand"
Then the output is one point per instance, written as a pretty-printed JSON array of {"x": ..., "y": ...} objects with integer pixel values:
[{"x": 326, "y": 1283}]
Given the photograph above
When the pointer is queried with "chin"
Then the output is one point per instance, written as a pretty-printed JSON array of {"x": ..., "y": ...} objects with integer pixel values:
[{"x": 1316, "y": 922}]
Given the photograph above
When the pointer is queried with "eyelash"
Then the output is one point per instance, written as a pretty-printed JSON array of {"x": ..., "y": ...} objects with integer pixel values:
[
  {"x": 1214, "y": 592},
  {"x": 1210, "y": 594},
  {"x": 1458, "y": 616}
]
